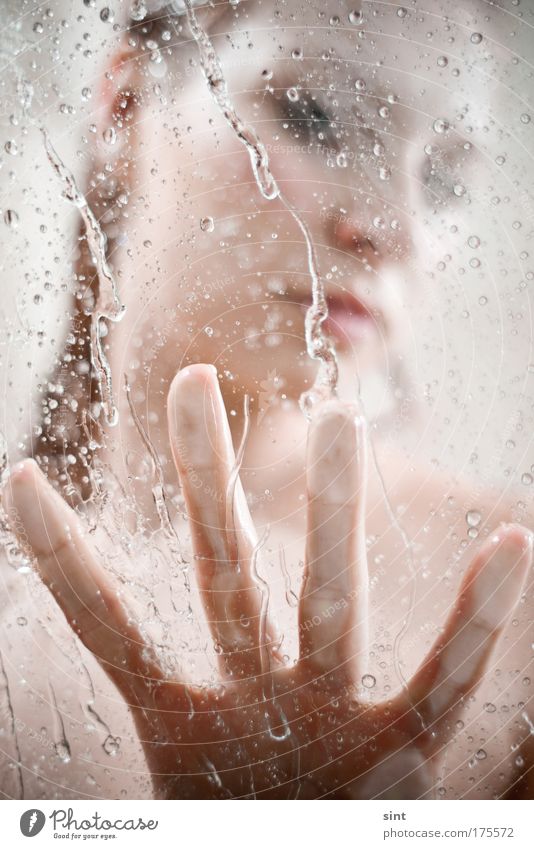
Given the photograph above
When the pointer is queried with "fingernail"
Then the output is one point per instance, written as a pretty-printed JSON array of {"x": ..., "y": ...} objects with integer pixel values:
[
  {"x": 198, "y": 426},
  {"x": 34, "y": 509}
]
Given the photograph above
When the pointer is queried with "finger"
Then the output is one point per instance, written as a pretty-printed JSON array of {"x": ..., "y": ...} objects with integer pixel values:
[
  {"x": 223, "y": 533},
  {"x": 68, "y": 565},
  {"x": 333, "y": 603},
  {"x": 489, "y": 592}
]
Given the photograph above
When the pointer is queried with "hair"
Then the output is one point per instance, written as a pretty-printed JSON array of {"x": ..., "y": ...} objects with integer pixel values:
[
  {"x": 71, "y": 428},
  {"x": 72, "y": 433}
]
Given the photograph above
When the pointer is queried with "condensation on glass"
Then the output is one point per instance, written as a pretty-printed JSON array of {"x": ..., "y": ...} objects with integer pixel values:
[{"x": 348, "y": 186}]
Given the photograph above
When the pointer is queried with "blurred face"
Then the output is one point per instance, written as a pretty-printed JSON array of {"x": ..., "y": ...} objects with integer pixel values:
[{"x": 364, "y": 141}]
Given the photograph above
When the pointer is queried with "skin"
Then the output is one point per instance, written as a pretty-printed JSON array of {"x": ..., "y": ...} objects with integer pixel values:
[
  {"x": 268, "y": 729},
  {"x": 335, "y": 738}
]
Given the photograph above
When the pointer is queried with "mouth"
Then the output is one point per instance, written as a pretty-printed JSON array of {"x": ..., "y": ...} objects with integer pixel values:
[{"x": 349, "y": 320}]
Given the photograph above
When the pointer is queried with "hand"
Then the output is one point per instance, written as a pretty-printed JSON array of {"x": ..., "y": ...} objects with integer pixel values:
[
  {"x": 268, "y": 730},
  {"x": 522, "y": 783}
]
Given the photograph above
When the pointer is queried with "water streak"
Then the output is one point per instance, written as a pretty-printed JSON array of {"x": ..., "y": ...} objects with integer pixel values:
[
  {"x": 230, "y": 531},
  {"x": 291, "y": 596},
  {"x": 318, "y": 345},
  {"x": 61, "y": 745},
  {"x": 158, "y": 490},
  {"x": 108, "y": 306},
  {"x": 13, "y": 726}
]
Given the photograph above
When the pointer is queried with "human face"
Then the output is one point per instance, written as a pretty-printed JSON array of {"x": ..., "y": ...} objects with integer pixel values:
[{"x": 347, "y": 113}]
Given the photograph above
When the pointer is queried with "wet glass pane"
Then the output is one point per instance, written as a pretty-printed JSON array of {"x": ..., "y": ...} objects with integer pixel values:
[{"x": 321, "y": 201}]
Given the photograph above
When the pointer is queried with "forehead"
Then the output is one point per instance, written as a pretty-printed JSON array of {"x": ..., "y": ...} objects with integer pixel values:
[{"x": 425, "y": 58}]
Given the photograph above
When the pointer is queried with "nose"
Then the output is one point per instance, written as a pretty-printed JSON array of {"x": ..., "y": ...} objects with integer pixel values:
[
  {"x": 350, "y": 236},
  {"x": 373, "y": 241},
  {"x": 346, "y": 232}
]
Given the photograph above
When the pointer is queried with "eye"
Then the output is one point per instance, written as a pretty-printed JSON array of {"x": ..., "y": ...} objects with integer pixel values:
[{"x": 307, "y": 121}]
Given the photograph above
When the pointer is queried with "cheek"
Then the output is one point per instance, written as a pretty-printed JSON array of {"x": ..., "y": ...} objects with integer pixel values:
[{"x": 305, "y": 178}]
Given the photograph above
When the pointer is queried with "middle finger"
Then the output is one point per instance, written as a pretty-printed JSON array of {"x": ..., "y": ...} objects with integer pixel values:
[{"x": 223, "y": 533}]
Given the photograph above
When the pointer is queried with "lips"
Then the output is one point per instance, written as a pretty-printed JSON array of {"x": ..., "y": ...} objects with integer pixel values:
[{"x": 349, "y": 319}]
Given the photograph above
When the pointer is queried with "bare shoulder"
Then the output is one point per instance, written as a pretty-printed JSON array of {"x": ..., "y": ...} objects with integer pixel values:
[{"x": 420, "y": 493}]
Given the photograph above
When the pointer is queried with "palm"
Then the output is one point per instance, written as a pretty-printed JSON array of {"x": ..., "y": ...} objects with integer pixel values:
[
  {"x": 268, "y": 730},
  {"x": 314, "y": 739}
]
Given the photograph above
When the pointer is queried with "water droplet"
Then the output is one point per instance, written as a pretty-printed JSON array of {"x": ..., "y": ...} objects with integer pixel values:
[
  {"x": 483, "y": 300},
  {"x": 11, "y": 147},
  {"x": 138, "y": 12},
  {"x": 440, "y": 125},
  {"x": 109, "y": 135},
  {"x": 473, "y": 242},
  {"x": 525, "y": 118},
  {"x": 208, "y": 331},
  {"x": 526, "y": 682},
  {"x": 520, "y": 761},
  {"x": 292, "y": 94},
  {"x": 476, "y": 37},
  {"x": 297, "y": 53},
  {"x": 526, "y": 479},
  {"x": 62, "y": 750},
  {"x": 112, "y": 745},
  {"x": 459, "y": 190},
  {"x": 38, "y": 27},
  {"x": 402, "y": 12},
  {"x": 11, "y": 218},
  {"x": 489, "y": 707},
  {"x": 341, "y": 160},
  {"x": 369, "y": 681},
  {"x": 107, "y": 15},
  {"x": 359, "y": 85},
  {"x": 356, "y": 17},
  {"x": 384, "y": 172},
  {"x": 207, "y": 224},
  {"x": 442, "y": 61},
  {"x": 379, "y": 222},
  {"x": 383, "y": 112},
  {"x": 481, "y": 755},
  {"x": 21, "y": 620},
  {"x": 334, "y": 21}
]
